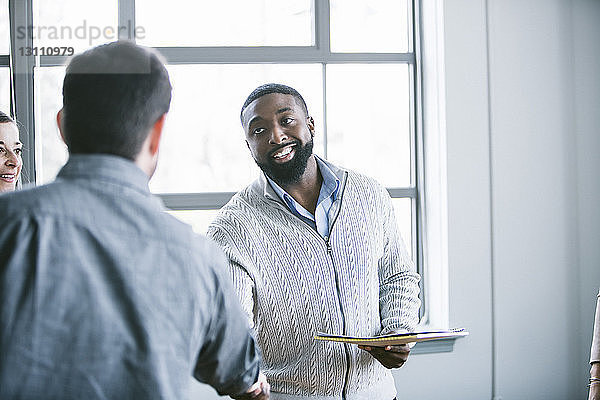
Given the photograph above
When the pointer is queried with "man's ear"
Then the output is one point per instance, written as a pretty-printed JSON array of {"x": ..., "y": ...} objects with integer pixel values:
[
  {"x": 59, "y": 124},
  {"x": 310, "y": 122},
  {"x": 155, "y": 134}
]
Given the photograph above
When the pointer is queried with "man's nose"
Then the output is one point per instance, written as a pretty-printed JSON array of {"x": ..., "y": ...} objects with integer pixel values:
[{"x": 278, "y": 135}]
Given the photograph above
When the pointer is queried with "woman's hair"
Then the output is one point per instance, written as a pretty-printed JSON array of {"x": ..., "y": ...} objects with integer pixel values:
[{"x": 5, "y": 118}]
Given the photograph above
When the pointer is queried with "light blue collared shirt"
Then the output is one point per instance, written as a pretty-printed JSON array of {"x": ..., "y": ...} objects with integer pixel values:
[
  {"x": 92, "y": 265},
  {"x": 329, "y": 189}
]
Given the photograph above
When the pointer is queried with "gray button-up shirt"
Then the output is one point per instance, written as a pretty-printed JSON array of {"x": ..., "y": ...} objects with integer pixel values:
[{"x": 103, "y": 295}]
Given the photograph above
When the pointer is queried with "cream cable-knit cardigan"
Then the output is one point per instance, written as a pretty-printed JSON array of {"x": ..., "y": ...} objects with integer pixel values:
[
  {"x": 293, "y": 283},
  {"x": 595, "y": 351}
]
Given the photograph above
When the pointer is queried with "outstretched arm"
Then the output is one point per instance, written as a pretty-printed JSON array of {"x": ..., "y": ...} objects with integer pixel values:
[{"x": 229, "y": 359}]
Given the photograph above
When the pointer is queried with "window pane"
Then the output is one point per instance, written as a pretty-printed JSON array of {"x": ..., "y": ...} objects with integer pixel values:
[
  {"x": 368, "y": 123},
  {"x": 4, "y": 27},
  {"x": 372, "y": 26},
  {"x": 198, "y": 219},
  {"x": 225, "y": 23},
  {"x": 52, "y": 153},
  {"x": 403, "y": 211},
  {"x": 203, "y": 147},
  {"x": 5, "y": 90},
  {"x": 80, "y": 24}
]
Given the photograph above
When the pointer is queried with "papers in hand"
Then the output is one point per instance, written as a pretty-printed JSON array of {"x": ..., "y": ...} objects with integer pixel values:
[{"x": 395, "y": 338}]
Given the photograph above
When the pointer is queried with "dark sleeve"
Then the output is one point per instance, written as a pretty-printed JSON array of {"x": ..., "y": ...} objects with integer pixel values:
[{"x": 229, "y": 359}]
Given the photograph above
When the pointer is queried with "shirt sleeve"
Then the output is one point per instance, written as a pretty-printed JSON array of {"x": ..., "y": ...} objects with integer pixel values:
[
  {"x": 595, "y": 352},
  {"x": 398, "y": 281},
  {"x": 229, "y": 360}
]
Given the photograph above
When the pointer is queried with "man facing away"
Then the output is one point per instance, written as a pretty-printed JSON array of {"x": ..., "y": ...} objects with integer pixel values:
[
  {"x": 103, "y": 295},
  {"x": 314, "y": 247}
]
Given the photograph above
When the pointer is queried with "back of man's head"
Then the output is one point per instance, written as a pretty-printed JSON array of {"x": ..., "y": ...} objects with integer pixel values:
[{"x": 112, "y": 95}]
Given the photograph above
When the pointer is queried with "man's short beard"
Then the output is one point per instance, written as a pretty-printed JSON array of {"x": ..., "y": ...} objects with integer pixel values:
[{"x": 290, "y": 172}]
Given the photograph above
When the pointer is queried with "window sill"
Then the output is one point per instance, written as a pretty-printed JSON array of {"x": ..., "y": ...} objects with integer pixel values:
[{"x": 434, "y": 346}]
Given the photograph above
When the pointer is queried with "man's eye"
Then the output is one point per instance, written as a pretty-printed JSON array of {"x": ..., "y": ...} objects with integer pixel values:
[
  {"x": 19, "y": 151},
  {"x": 287, "y": 121},
  {"x": 258, "y": 131}
]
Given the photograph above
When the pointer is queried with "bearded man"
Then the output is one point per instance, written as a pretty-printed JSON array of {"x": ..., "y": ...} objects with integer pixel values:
[{"x": 315, "y": 247}]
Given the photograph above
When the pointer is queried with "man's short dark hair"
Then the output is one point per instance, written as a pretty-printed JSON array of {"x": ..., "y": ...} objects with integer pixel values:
[
  {"x": 269, "y": 88},
  {"x": 112, "y": 95}
]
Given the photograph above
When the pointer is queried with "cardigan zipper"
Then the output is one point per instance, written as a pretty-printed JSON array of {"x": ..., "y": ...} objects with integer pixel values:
[
  {"x": 337, "y": 282},
  {"x": 337, "y": 286}
]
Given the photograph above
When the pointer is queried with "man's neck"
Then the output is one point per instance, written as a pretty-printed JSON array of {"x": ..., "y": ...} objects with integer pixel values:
[{"x": 306, "y": 190}]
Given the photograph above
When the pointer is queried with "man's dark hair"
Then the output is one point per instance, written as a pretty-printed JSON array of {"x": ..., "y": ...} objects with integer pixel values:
[
  {"x": 112, "y": 95},
  {"x": 269, "y": 88},
  {"x": 5, "y": 118}
]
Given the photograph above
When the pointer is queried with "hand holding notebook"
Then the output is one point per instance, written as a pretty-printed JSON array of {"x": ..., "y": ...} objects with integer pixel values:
[{"x": 395, "y": 338}]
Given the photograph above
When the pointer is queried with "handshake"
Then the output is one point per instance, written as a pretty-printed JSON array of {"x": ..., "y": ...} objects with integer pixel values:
[{"x": 261, "y": 390}]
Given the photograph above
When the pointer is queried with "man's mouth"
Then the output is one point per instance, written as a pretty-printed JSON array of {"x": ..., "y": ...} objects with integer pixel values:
[{"x": 285, "y": 154}]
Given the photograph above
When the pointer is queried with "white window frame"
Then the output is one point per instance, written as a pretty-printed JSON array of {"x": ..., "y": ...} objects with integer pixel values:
[{"x": 428, "y": 164}]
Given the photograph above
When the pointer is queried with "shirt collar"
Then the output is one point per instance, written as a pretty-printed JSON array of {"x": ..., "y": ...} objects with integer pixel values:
[
  {"x": 331, "y": 183},
  {"x": 329, "y": 186},
  {"x": 105, "y": 167},
  {"x": 282, "y": 194}
]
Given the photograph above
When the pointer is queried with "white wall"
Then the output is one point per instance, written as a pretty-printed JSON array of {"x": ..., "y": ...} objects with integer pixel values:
[
  {"x": 534, "y": 215},
  {"x": 586, "y": 42},
  {"x": 541, "y": 154}
]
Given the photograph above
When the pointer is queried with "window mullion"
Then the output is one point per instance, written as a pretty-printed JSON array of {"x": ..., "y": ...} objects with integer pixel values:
[
  {"x": 279, "y": 55},
  {"x": 418, "y": 151},
  {"x": 20, "y": 14},
  {"x": 196, "y": 201},
  {"x": 322, "y": 35},
  {"x": 324, "y": 79},
  {"x": 402, "y": 192},
  {"x": 127, "y": 18}
]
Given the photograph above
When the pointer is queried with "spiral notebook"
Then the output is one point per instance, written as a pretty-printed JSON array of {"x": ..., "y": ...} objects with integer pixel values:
[{"x": 395, "y": 338}]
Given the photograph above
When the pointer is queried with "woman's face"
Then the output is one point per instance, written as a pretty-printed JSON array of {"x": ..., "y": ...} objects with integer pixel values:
[{"x": 10, "y": 156}]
